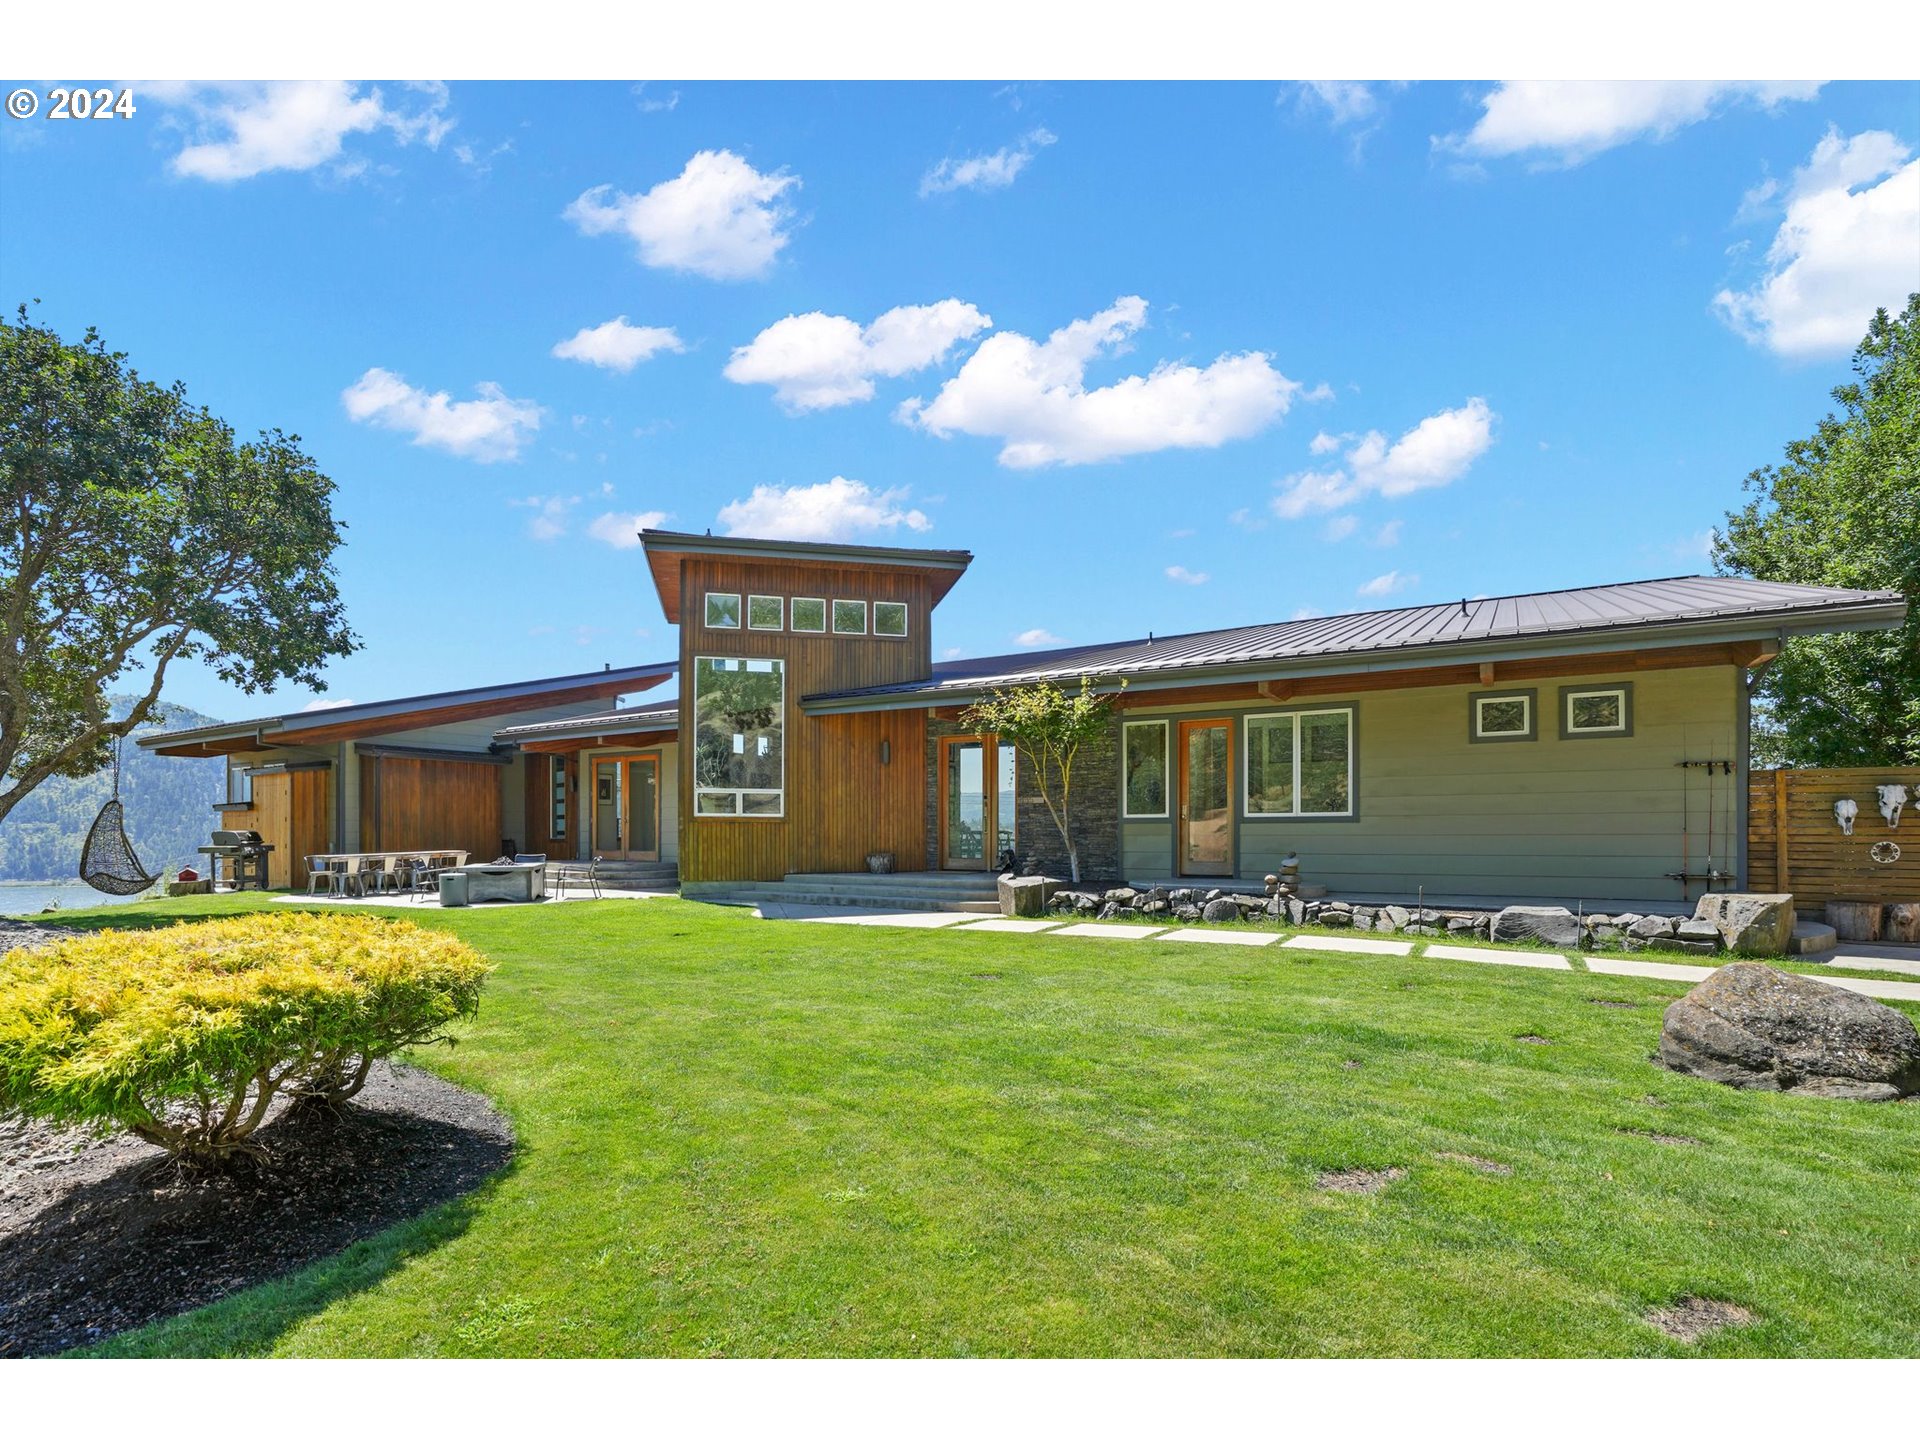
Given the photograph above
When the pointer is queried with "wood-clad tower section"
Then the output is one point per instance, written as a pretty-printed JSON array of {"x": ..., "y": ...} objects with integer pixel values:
[{"x": 854, "y": 784}]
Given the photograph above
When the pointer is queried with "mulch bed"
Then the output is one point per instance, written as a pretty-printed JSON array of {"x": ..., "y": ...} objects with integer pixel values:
[{"x": 101, "y": 1236}]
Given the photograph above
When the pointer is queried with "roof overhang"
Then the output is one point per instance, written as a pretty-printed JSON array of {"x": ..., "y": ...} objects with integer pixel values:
[
  {"x": 355, "y": 722},
  {"x": 1758, "y": 629},
  {"x": 667, "y": 548},
  {"x": 569, "y": 744}
]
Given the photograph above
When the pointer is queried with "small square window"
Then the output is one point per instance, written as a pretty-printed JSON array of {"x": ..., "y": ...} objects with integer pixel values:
[
  {"x": 808, "y": 616},
  {"x": 1506, "y": 715},
  {"x": 764, "y": 612},
  {"x": 889, "y": 618},
  {"x": 849, "y": 617},
  {"x": 1596, "y": 710},
  {"x": 723, "y": 612}
]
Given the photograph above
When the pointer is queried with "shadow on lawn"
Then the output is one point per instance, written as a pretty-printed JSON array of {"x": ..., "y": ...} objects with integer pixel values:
[{"x": 102, "y": 1244}]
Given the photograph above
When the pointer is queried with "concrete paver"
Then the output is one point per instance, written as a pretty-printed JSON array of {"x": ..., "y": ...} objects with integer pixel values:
[
  {"x": 1222, "y": 937},
  {"x": 1352, "y": 945},
  {"x": 1008, "y": 926},
  {"x": 1525, "y": 959},
  {"x": 1093, "y": 930}
]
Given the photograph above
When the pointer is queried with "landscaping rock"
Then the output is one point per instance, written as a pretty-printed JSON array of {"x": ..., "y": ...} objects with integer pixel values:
[
  {"x": 1109, "y": 910},
  {"x": 1700, "y": 932},
  {"x": 1022, "y": 895},
  {"x": 1627, "y": 921},
  {"x": 1757, "y": 1028},
  {"x": 1336, "y": 919},
  {"x": 1220, "y": 909},
  {"x": 1122, "y": 895},
  {"x": 1549, "y": 924},
  {"x": 1606, "y": 934},
  {"x": 1085, "y": 904},
  {"x": 1181, "y": 896},
  {"x": 1650, "y": 927},
  {"x": 1155, "y": 907},
  {"x": 1749, "y": 924},
  {"x": 1392, "y": 918},
  {"x": 1188, "y": 913},
  {"x": 1297, "y": 912}
]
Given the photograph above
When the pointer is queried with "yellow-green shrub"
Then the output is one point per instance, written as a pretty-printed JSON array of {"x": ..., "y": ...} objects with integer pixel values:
[{"x": 185, "y": 1034}]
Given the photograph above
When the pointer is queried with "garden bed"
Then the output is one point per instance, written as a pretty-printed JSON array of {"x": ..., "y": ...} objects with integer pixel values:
[{"x": 100, "y": 1236}]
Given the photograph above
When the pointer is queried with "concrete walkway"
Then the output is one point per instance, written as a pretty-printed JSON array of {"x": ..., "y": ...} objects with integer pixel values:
[
  {"x": 1863, "y": 958},
  {"x": 427, "y": 900}
]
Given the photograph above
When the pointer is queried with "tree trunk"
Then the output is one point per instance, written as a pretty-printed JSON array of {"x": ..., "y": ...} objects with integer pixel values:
[
  {"x": 1856, "y": 920},
  {"x": 1073, "y": 861},
  {"x": 1903, "y": 924}
]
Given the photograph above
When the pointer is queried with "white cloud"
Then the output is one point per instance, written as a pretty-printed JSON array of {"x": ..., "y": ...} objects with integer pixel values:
[
  {"x": 719, "y": 217},
  {"x": 549, "y": 519},
  {"x": 1325, "y": 444},
  {"x": 1568, "y": 121},
  {"x": 986, "y": 172},
  {"x": 494, "y": 427},
  {"x": 1245, "y": 519},
  {"x": 1180, "y": 575},
  {"x": 952, "y": 652},
  {"x": 836, "y": 509},
  {"x": 243, "y": 130},
  {"x": 617, "y": 345},
  {"x": 1387, "y": 535},
  {"x": 313, "y": 705},
  {"x": 1347, "y": 102},
  {"x": 1032, "y": 395},
  {"x": 1846, "y": 246},
  {"x": 621, "y": 529},
  {"x": 1039, "y": 635},
  {"x": 817, "y": 361},
  {"x": 1437, "y": 451},
  {"x": 1303, "y": 613},
  {"x": 1340, "y": 527},
  {"x": 1388, "y": 584}
]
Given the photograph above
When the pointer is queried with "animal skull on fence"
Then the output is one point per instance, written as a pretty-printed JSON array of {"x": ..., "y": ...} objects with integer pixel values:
[
  {"x": 1844, "y": 811},
  {"x": 1892, "y": 799}
]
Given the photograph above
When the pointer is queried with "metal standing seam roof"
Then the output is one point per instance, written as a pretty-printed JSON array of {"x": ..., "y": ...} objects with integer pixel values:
[
  {"x": 638, "y": 717},
  {"x": 1586, "y": 612}
]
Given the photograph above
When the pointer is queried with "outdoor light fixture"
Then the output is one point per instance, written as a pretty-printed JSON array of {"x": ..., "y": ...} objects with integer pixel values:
[{"x": 886, "y": 752}]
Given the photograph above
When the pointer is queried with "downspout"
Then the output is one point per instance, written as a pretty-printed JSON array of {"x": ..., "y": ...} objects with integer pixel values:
[{"x": 1744, "y": 680}]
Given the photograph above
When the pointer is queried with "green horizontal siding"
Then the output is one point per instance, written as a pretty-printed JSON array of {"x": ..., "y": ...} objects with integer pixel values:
[{"x": 1548, "y": 818}]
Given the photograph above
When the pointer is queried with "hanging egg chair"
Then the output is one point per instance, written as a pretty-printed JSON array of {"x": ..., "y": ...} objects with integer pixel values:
[{"x": 107, "y": 861}]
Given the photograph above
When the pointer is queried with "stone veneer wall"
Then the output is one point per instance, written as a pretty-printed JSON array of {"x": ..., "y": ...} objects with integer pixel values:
[{"x": 1096, "y": 809}]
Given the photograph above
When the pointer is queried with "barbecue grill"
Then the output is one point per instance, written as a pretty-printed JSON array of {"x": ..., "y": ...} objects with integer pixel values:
[{"x": 245, "y": 854}]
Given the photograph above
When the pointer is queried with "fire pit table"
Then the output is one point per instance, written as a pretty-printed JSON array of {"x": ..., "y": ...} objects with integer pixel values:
[{"x": 472, "y": 884}]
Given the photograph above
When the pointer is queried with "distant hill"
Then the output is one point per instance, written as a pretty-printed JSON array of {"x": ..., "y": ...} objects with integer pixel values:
[{"x": 166, "y": 800}]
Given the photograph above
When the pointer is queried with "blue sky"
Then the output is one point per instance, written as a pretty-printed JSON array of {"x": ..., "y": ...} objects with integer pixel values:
[{"x": 1324, "y": 348}]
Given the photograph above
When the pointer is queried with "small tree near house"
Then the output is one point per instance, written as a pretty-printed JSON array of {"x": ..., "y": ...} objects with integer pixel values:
[{"x": 1048, "y": 726}]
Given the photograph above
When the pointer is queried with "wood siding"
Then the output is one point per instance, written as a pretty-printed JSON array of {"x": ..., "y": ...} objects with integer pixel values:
[
  {"x": 1795, "y": 845},
  {"x": 539, "y": 807},
  {"x": 293, "y": 811},
  {"x": 408, "y": 804},
  {"x": 841, "y": 802}
]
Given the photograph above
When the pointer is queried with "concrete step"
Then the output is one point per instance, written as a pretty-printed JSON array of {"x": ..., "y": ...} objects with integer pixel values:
[
  {"x": 916, "y": 882},
  {"x": 1810, "y": 937}
]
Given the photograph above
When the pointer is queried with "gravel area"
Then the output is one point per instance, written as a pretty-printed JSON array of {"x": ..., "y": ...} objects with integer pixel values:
[
  {"x": 100, "y": 1236},
  {"x": 18, "y": 935}
]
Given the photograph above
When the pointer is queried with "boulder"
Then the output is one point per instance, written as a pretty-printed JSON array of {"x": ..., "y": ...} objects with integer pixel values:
[
  {"x": 1757, "y": 1028},
  {"x": 1022, "y": 894},
  {"x": 1628, "y": 920},
  {"x": 1186, "y": 912},
  {"x": 1650, "y": 927},
  {"x": 1181, "y": 896},
  {"x": 1606, "y": 934},
  {"x": 1699, "y": 932},
  {"x": 1364, "y": 916},
  {"x": 1336, "y": 919},
  {"x": 1296, "y": 912},
  {"x": 1109, "y": 910},
  {"x": 1155, "y": 907},
  {"x": 1220, "y": 909},
  {"x": 1549, "y": 924},
  {"x": 1393, "y": 917},
  {"x": 1085, "y": 904},
  {"x": 1122, "y": 895},
  {"x": 1749, "y": 924}
]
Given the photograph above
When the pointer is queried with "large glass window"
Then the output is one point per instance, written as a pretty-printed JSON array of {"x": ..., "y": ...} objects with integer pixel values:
[
  {"x": 1300, "y": 763},
  {"x": 1145, "y": 791},
  {"x": 239, "y": 782},
  {"x": 739, "y": 734}
]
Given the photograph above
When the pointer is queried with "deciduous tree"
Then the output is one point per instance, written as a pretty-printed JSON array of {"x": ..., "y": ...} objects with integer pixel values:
[
  {"x": 1048, "y": 726},
  {"x": 136, "y": 530}
]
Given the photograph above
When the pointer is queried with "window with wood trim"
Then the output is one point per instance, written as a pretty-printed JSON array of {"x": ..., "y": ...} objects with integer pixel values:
[
  {"x": 849, "y": 617},
  {"x": 739, "y": 737},
  {"x": 1594, "y": 711},
  {"x": 765, "y": 612},
  {"x": 1502, "y": 715},
  {"x": 807, "y": 616},
  {"x": 890, "y": 619}
]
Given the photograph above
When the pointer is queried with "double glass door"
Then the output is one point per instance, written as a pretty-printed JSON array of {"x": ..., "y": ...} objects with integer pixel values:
[
  {"x": 976, "y": 802},
  {"x": 626, "y": 808}
]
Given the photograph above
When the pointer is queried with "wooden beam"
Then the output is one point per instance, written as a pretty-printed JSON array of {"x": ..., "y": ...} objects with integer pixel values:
[
  {"x": 1486, "y": 672},
  {"x": 1277, "y": 691},
  {"x": 1782, "y": 870}
]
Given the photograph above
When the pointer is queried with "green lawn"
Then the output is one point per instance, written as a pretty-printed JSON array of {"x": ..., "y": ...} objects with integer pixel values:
[{"x": 747, "y": 1138}]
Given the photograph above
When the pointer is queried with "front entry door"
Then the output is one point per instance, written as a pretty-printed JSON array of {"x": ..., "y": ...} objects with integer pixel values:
[
  {"x": 976, "y": 802},
  {"x": 626, "y": 808},
  {"x": 1206, "y": 797}
]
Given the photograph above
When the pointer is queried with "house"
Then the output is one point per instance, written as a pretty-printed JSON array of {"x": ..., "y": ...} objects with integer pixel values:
[{"x": 1586, "y": 744}]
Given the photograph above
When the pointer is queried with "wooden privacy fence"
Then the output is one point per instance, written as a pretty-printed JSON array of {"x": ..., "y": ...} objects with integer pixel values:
[{"x": 1795, "y": 844}]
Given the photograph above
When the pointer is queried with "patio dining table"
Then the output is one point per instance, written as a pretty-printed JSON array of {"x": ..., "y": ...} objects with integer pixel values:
[{"x": 361, "y": 863}]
